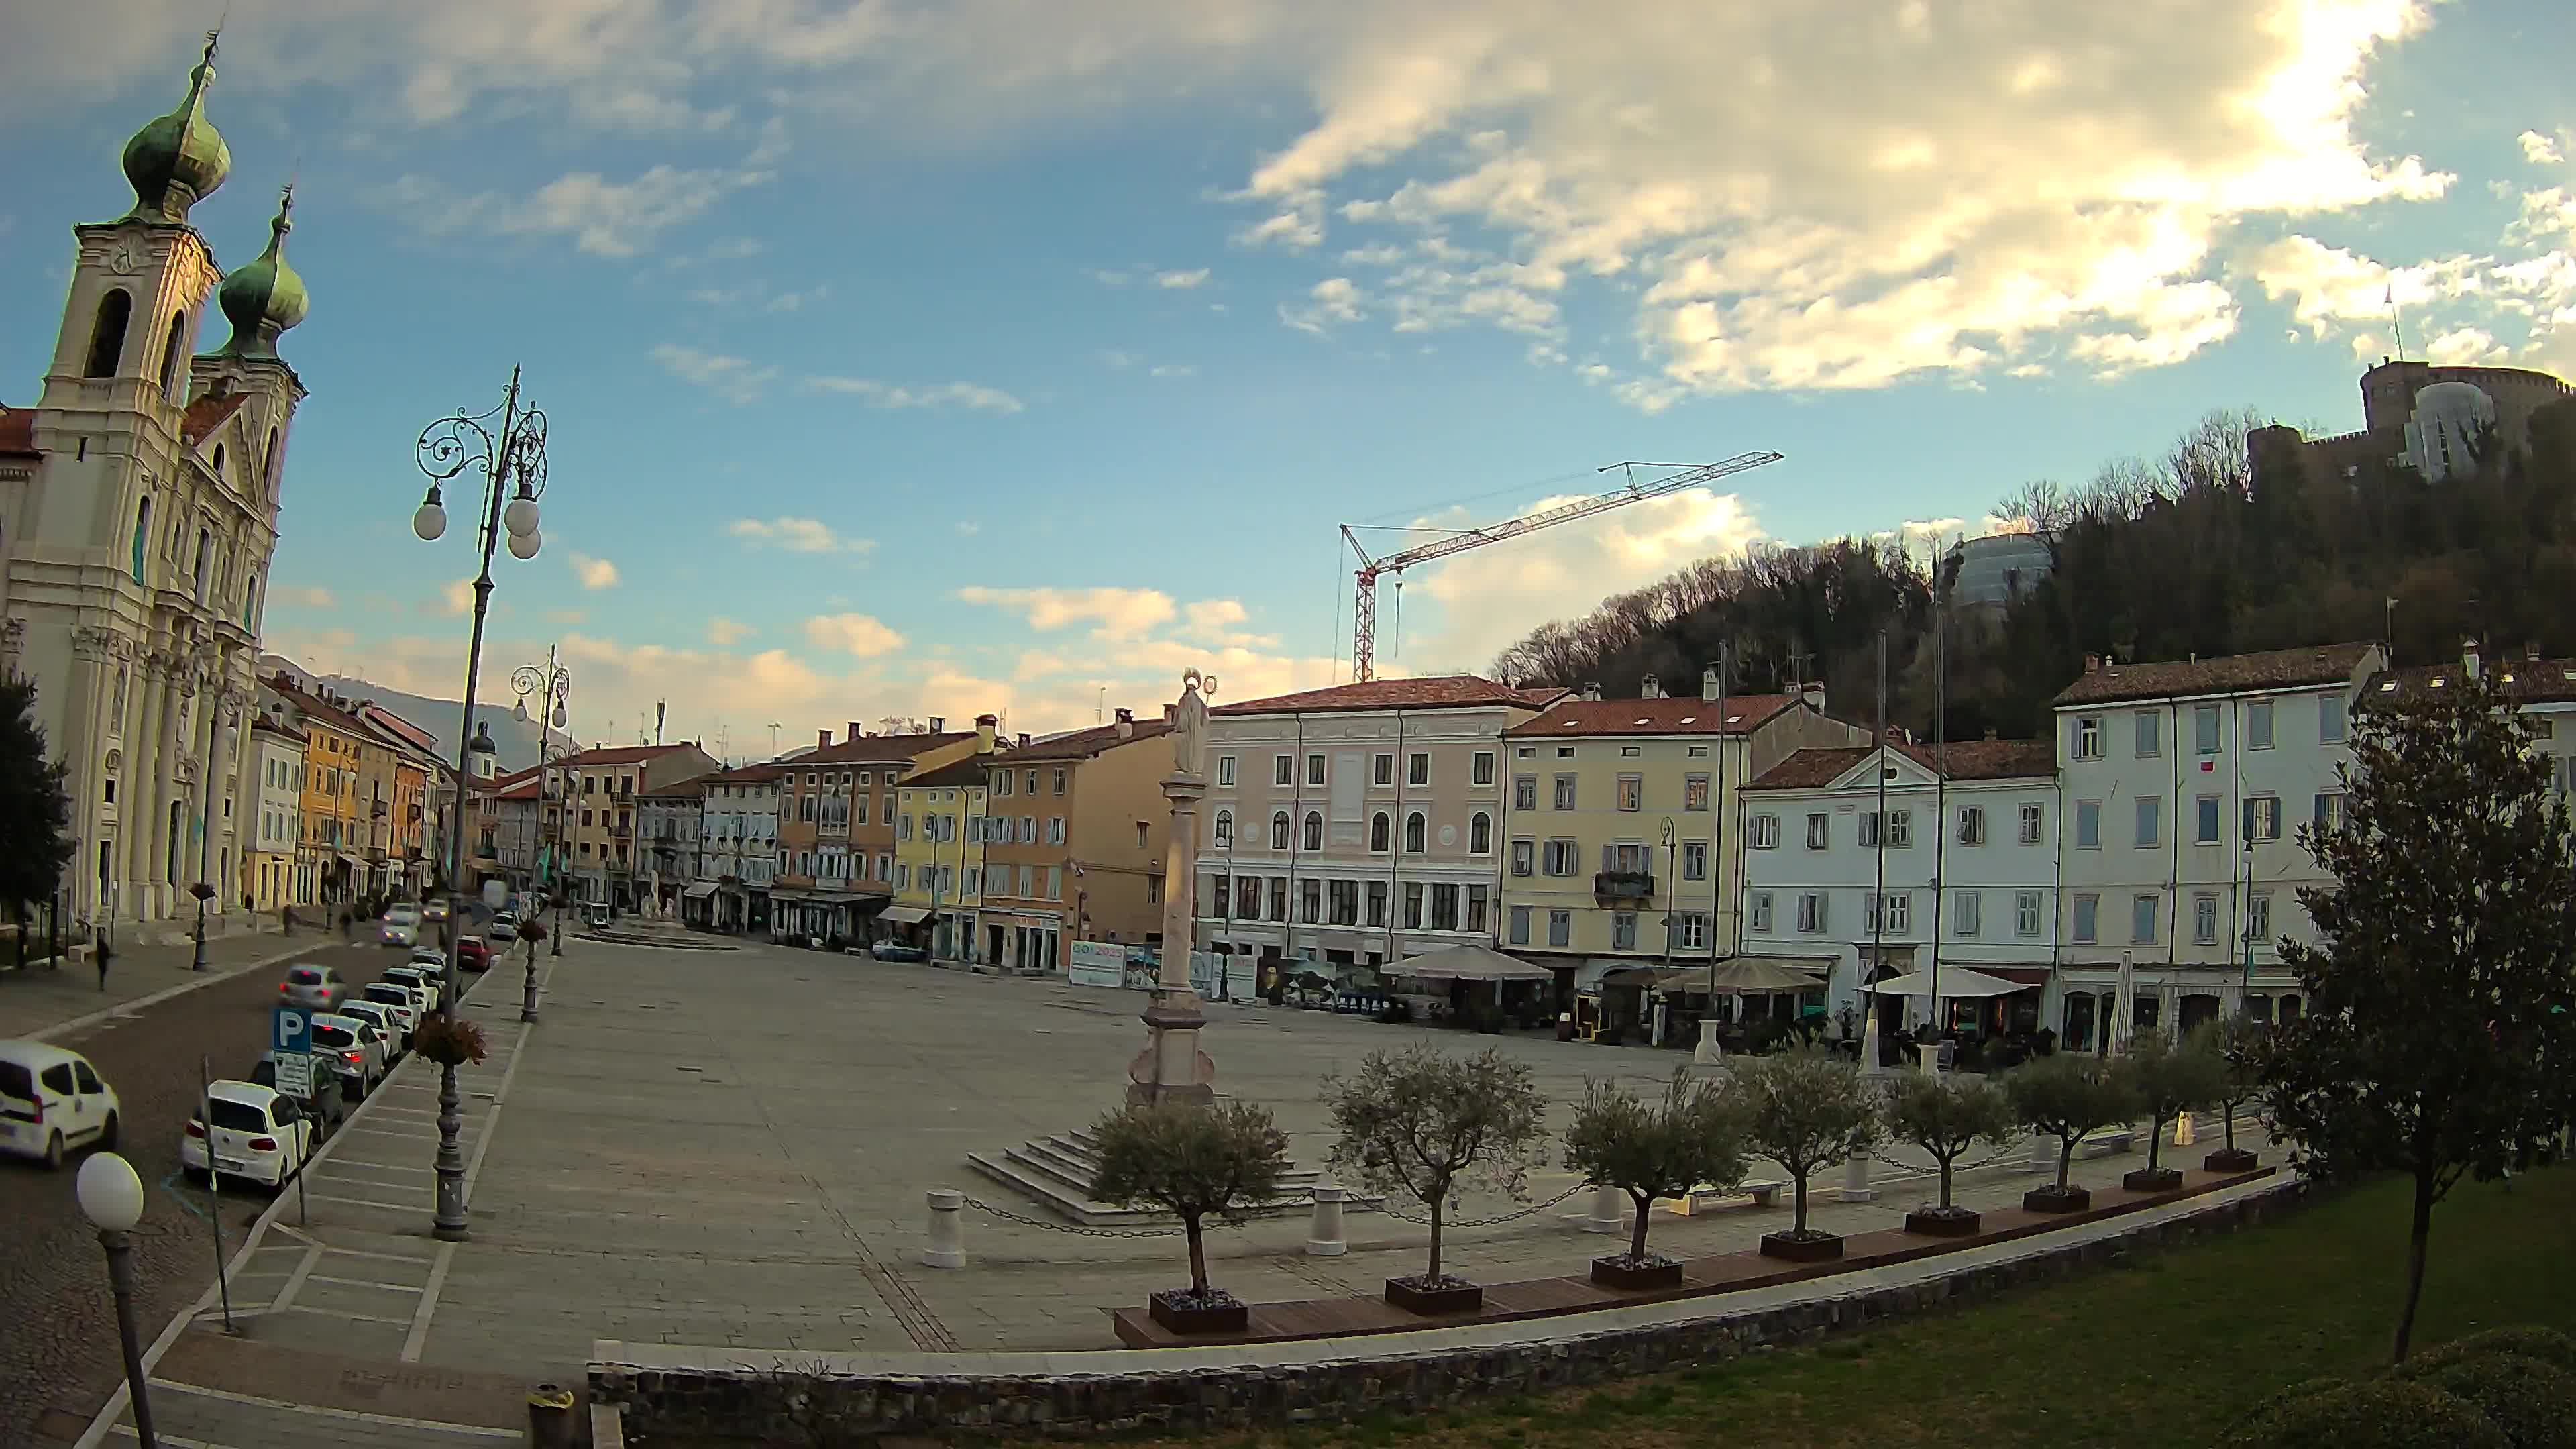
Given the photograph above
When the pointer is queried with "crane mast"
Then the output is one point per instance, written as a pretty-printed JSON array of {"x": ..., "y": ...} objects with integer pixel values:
[{"x": 1364, "y": 604}]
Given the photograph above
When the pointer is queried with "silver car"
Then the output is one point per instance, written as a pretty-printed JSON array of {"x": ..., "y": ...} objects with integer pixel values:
[
  {"x": 358, "y": 1049},
  {"x": 315, "y": 988}
]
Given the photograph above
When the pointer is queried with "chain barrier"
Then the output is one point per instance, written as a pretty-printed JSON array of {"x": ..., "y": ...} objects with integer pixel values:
[
  {"x": 1024, "y": 1220},
  {"x": 1425, "y": 1221}
]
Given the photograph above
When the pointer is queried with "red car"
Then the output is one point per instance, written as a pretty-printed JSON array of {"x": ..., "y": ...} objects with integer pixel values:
[{"x": 472, "y": 954}]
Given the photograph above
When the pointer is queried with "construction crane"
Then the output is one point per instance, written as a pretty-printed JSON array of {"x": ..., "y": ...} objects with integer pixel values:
[{"x": 1364, "y": 608}]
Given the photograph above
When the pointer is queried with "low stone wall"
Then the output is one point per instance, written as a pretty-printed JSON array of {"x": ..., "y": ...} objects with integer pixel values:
[{"x": 719, "y": 1395}]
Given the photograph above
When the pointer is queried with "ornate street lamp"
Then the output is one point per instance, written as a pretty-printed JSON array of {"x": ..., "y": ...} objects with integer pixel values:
[
  {"x": 111, "y": 1197},
  {"x": 553, "y": 686},
  {"x": 514, "y": 459}
]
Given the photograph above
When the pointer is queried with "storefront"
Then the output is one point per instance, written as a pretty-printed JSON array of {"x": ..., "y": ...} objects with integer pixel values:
[
  {"x": 698, "y": 904},
  {"x": 1029, "y": 942}
]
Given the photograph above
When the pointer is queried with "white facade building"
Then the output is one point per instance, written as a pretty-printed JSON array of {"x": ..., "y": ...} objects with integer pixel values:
[
  {"x": 737, "y": 856},
  {"x": 1959, "y": 871},
  {"x": 2184, "y": 785},
  {"x": 1360, "y": 824},
  {"x": 277, "y": 876}
]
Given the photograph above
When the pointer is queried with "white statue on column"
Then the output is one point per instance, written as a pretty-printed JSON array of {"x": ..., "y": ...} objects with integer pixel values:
[{"x": 1172, "y": 1068}]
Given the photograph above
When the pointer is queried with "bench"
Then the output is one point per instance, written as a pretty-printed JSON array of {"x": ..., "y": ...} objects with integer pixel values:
[
  {"x": 2105, "y": 1144},
  {"x": 1765, "y": 1193}
]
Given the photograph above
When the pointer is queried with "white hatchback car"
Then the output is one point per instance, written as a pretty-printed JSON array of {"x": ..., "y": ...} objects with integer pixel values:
[
  {"x": 429, "y": 981},
  {"x": 255, "y": 1133},
  {"x": 402, "y": 925},
  {"x": 392, "y": 1020},
  {"x": 51, "y": 1101}
]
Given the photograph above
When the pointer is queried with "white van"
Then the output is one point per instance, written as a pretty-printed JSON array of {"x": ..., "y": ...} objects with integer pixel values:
[{"x": 51, "y": 1101}]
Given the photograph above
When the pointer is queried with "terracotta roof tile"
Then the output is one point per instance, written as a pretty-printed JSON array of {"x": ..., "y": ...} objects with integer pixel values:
[
  {"x": 2276, "y": 669},
  {"x": 207, "y": 414},
  {"x": 18, "y": 432},
  {"x": 1439, "y": 691},
  {"x": 1694, "y": 716},
  {"x": 2527, "y": 681},
  {"x": 1083, "y": 744},
  {"x": 879, "y": 749},
  {"x": 1968, "y": 760},
  {"x": 968, "y": 771},
  {"x": 1810, "y": 768},
  {"x": 757, "y": 774},
  {"x": 618, "y": 755}
]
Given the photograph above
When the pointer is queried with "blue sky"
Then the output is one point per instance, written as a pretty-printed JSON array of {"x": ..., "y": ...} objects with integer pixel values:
[{"x": 914, "y": 358}]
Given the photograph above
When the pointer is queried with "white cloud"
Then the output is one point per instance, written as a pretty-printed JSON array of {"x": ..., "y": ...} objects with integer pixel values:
[
  {"x": 302, "y": 598},
  {"x": 1114, "y": 612},
  {"x": 797, "y": 535},
  {"x": 1172, "y": 369},
  {"x": 852, "y": 634},
  {"x": 725, "y": 633},
  {"x": 594, "y": 573},
  {"x": 973, "y": 396},
  {"x": 1181, "y": 281},
  {"x": 2540, "y": 150},
  {"x": 457, "y": 598},
  {"x": 604, "y": 218},
  {"x": 735, "y": 379},
  {"x": 567, "y": 616},
  {"x": 1329, "y": 302},
  {"x": 1487, "y": 599},
  {"x": 968, "y": 528}
]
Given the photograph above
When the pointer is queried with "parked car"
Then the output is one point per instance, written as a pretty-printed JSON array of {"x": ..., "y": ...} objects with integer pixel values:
[
  {"x": 250, "y": 1130},
  {"x": 392, "y": 1010},
  {"x": 429, "y": 981},
  {"x": 472, "y": 954},
  {"x": 435, "y": 912},
  {"x": 315, "y": 988},
  {"x": 897, "y": 951},
  {"x": 330, "y": 1108},
  {"x": 401, "y": 926},
  {"x": 598, "y": 916},
  {"x": 503, "y": 930},
  {"x": 402, "y": 1004},
  {"x": 360, "y": 1046},
  {"x": 52, "y": 1100}
]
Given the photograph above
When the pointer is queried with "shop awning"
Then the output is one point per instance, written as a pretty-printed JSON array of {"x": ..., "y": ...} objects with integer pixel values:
[
  {"x": 699, "y": 891},
  {"x": 2025, "y": 975},
  {"x": 1468, "y": 963},
  {"x": 904, "y": 915},
  {"x": 1956, "y": 982},
  {"x": 351, "y": 861}
]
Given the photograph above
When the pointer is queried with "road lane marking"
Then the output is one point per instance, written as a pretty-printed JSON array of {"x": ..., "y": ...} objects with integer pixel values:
[
  {"x": 326, "y": 1411},
  {"x": 428, "y": 1305},
  {"x": 344, "y": 1313},
  {"x": 295, "y": 1280},
  {"x": 367, "y": 1283},
  {"x": 393, "y": 1207}
]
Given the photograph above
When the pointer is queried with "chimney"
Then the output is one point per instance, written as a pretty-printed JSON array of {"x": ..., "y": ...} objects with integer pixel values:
[
  {"x": 2531, "y": 652},
  {"x": 938, "y": 724},
  {"x": 2469, "y": 657},
  {"x": 1708, "y": 685},
  {"x": 1650, "y": 688},
  {"x": 1126, "y": 724},
  {"x": 1024, "y": 739},
  {"x": 855, "y": 731},
  {"x": 2092, "y": 663},
  {"x": 1814, "y": 695},
  {"x": 1592, "y": 690},
  {"x": 985, "y": 725},
  {"x": 822, "y": 739}
]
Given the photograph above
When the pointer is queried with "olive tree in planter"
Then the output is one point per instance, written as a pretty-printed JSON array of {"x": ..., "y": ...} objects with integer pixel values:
[
  {"x": 2238, "y": 1042},
  {"x": 1946, "y": 1116},
  {"x": 2169, "y": 1078},
  {"x": 1195, "y": 1163},
  {"x": 1694, "y": 1135},
  {"x": 1427, "y": 1125},
  {"x": 1807, "y": 1111},
  {"x": 2066, "y": 1096}
]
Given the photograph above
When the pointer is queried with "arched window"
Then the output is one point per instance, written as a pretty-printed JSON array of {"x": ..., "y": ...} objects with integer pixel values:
[
  {"x": 1314, "y": 830},
  {"x": 1480, "y": 834},
  {"x": 1380, "y": 829},
  {"x": 1413, "y": 828},
  {"x": 268, "y": 466},
  {"x": 205, "y": 561},
  {"x": 107, "y": 334},
  {"x": 1279, "y": 830},
  {"x": 1225, "y": 829},
  {"x": 172, "y": 374},
  {"x": 219, "y": 462},
  {"x": 250, "y": 602},
  {"x": 142, "y": 533}
]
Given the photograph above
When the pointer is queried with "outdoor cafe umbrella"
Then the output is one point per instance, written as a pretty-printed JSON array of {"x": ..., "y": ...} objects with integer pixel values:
[
  {"x": 1745, "y": 974},
  {"x": 1956, "y": 982},
  {"x": 1469, "y": 963}
]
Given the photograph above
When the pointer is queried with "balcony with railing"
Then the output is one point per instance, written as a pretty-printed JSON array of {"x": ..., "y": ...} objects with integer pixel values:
[{"x": 1623, "y": 885}]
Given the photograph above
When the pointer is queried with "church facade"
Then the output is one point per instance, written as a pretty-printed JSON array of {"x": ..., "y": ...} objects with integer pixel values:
[{"x": 138, "y": 517}]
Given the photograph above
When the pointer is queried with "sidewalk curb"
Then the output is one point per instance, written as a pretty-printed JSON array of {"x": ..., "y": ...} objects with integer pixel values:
[
  {"x": 213, "y": 975},
  {"x": 103, "y": 1423}
]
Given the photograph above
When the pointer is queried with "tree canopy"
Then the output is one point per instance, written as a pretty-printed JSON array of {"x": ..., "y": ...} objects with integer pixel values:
[
  {"x": 1693, "y": 1135},
  {"x": 1427, "y": 1124},
  {"x": 35, "y": 810}
]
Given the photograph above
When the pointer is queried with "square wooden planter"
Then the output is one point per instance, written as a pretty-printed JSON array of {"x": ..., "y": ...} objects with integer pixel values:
[
  {"x": 1182, "y": 1313},
  {"x": 2152, "y": 1179},
  {"x": 2053, "y": 1200},
  {"x": 1450, "y": 1296},
  {"x": 1934, "y": 1223},
  {"x": 1801, "y": 1250},
  {"x": 1620, "y": 1273},
  {"x": 2231, "y": 1159}
]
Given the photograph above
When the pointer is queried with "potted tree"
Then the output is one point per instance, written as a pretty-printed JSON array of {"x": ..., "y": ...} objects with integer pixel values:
[
  {"x": 2239, "y": 1045},
  {"x": 1945, "y": 1116},
  {"x": 2064, "y": 1097},
  {"x": 1694, "y": 1135},
  {"x": 1195, "y": 1163},
  {"x": 1427, "y": 1125},
  {"x": 2168, "y": 1078},
  {"x": 1807, "y": 1112}
]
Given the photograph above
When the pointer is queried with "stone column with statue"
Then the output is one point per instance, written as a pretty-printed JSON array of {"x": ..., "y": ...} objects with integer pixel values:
[{"x": 1172, "y": 1068}]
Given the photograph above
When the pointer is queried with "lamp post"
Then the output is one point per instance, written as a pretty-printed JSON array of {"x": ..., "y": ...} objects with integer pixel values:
[
  {"x": 516, "y": 456},
  {"x": 111, "y": 1197},
  {"x": 204, "y": 890},
  {"x": 553, "y": 686}
]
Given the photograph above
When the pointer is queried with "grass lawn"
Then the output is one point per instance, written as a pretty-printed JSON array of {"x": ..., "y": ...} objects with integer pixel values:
[{"x": 2164, "y": 1352}]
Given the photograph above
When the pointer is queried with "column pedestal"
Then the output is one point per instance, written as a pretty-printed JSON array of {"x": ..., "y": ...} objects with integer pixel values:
[{"x": 1172, "y": 1068}]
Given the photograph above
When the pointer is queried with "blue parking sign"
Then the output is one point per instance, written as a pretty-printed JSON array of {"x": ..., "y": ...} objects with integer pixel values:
[{"x": 290, "y": 1030}]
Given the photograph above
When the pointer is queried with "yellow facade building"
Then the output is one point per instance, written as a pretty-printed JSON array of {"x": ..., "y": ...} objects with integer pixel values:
[{"x": 941, "y": 824}]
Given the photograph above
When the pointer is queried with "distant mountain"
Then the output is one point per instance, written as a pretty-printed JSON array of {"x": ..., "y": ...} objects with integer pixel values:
[{"x": 515, "y": 739}]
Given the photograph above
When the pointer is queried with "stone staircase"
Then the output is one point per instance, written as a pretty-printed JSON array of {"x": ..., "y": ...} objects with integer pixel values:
[{"x": 1056, "y": 1173}]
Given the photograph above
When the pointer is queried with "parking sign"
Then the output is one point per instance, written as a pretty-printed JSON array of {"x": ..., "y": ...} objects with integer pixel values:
[{"x": 290, "y": 1030}]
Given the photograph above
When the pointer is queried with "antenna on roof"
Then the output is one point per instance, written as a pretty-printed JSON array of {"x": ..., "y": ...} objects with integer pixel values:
[{"x": 2396, "y": 319}]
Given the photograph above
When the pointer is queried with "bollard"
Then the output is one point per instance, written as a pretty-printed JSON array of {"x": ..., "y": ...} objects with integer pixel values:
[
  {"x": 2043, "y": 1153},
  {"x": 550, "y": 1421},
  {"x": 1609, "y": 1211},
  {"x": 1856, "y": 1186},
  {"x": 947, "y": 1229},
  {"x": 1324, "y": 1236}
]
